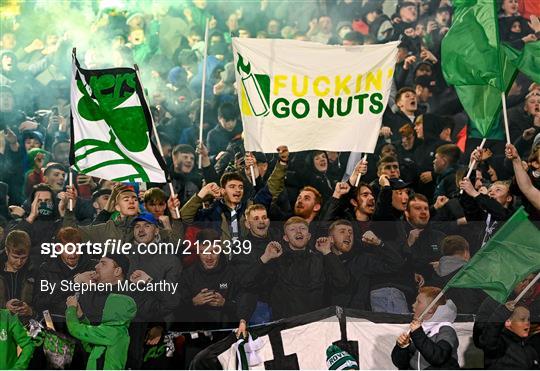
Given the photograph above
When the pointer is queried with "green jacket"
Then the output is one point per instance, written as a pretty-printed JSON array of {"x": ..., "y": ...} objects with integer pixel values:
[
  {"x": 12, "y": 333},
  {"x": 110, "y": 339}
]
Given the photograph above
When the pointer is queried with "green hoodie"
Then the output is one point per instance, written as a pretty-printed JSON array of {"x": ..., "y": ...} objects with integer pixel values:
[
  {"x": 12, "y": 333},
  {"x": 109, "y": 339}
]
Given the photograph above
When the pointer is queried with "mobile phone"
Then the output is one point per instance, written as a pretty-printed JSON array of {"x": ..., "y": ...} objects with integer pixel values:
[
  {"x": 77, "y": 294},
  {"x": 48, "y": 320}
]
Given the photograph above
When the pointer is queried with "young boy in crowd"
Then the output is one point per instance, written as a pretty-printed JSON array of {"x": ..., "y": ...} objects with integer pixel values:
[
  {"x": 504, "y": 339},
  {"x": 433, "y": 343}
]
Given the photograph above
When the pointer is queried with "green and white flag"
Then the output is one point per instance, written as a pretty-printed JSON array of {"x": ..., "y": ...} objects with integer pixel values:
[
  {"x": 308, "y": 95},
  {"x": 111, "y": 127}
]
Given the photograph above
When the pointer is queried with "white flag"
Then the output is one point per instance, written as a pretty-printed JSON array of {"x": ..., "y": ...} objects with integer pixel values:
[
  {"x": 111, "y": 126},
  {"x": 308, "y": 95}
]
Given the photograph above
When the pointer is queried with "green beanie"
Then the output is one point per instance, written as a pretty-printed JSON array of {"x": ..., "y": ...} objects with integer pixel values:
[{"x": 338, "y": 359}]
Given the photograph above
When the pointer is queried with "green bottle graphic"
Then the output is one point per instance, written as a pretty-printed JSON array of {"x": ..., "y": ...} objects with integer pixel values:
[{"x": 254, "y": 93}]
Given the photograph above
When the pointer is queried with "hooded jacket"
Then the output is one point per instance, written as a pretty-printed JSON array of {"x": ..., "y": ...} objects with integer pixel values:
[
  {"x": 108, "y": 342},
  {"x": 42, "y": 230},
  {"x": 467, "y": 300},
  {"x": 221, "y": 279},
  {"x": 362, "y": 266},
  {"x": 425, "y": 152},
  {"x": 502, "y": 348},
  {"x": 426, "y": 249},
  {"x": 18, "y": 285},
  {"x": 323, "y": 182},
  {"x": 54, "y": 271},
  {"x": 433, "y": 345},
  {"x": 34, "y": 175},
  {"x": 13, "y": 334}
]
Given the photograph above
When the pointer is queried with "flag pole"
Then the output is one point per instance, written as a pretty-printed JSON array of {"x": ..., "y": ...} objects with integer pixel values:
[
  {"x": 158, "y": 141},
  {"x": 527, "y": 288},
  {"x": 70, "y": 174},
  {"x": 70, "y": 182},
  {"x": 473, "y": 163},
  {"x": 433, "y": 302},
  {"x": 203, "y": 89},
  {"x": 252, "y": 172},
  {"x": 364, "y": 158},
  {"x": 505, "y": 116}
]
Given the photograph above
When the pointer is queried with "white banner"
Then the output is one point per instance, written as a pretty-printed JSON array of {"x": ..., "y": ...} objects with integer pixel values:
[
  {"x": 309, "y": 96},
  {"x": 308, "y": 344}
]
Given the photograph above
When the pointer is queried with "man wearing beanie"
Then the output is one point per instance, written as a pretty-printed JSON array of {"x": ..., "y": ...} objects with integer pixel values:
[{"x": 338, "y": 359}]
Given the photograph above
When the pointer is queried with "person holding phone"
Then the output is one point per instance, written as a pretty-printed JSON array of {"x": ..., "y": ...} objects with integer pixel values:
[{"x": 16, "y": 275}]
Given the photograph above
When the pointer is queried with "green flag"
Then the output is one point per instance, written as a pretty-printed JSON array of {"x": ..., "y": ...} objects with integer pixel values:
[
  {"x": 470, "y": 49},
  {"x": 526, "y": 60},
  {"x": 506, "y": 259},
  {"x": 475, "y": 63},
  {"x": 483, "y": 104}
]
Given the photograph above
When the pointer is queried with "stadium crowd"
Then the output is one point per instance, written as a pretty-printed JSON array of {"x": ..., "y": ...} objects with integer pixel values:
[{"x": 315, "y": 238}]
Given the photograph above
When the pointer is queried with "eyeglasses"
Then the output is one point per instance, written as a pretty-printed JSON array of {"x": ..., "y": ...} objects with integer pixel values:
[{"x": 391, "y": 167}]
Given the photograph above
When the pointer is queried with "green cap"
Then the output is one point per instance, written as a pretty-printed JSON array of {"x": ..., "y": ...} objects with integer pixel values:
[{"x": 338, "y": 359}]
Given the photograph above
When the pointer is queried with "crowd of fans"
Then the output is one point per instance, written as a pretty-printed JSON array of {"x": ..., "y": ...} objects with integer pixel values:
[{"x": 316, "y": 239}]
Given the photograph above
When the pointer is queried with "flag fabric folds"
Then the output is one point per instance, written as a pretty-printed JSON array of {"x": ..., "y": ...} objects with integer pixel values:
[
  {"x": 471, "y": 47},
  {"x": 475, "y": 63},
  {"x": 526, "y": 60},
  {"x": 111, "y": 127},
  {"x": 505, "y": 260}
]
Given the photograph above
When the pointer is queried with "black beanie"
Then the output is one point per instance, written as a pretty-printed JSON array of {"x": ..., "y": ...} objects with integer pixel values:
[{"x": 122, "y": 261}]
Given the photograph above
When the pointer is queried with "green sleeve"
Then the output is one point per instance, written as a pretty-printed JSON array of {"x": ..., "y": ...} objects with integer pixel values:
[
  {"x": 89, "y": 232},
  {"x": 24, "y": 341},
  {"x": 98, "y": 335},
  {"x": 189, "y": 210},
  {"x": 276, "y": 181}
]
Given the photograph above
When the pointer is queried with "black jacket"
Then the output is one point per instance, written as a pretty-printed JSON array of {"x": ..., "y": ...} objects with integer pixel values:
[
  {"x": 298, "y": 280},
  {"x": 18, "y": 285},
  {"x": 424, "y": 152},
  {"x": 42, "y": 230},
  {"x": 187, "y": 185},
  {"x": 437, "y": 350},
  {"x": 361, "y": 266},
  {"x": 221, "y": 279},
  {"x": 502, "y": 348},
  {"x": 518, "y": 122},
  {"x": 54, "y": 271},
  {"x": 445, "y": 184},
  {"x": 218, "y": 138},
  {"x": 426, "y": 249},
  {"x": 478, "y": 209},
  {"x": 396, "y": 120}
]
